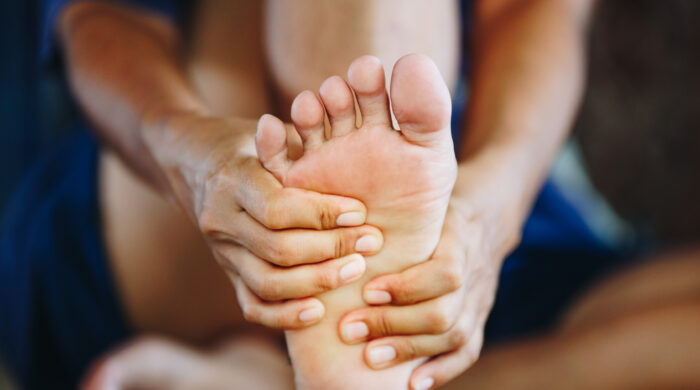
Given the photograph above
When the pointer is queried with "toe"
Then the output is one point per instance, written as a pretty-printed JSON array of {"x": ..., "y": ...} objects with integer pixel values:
[
  {"x": 421, "y": 101},
  {"x": 271, "y": 144},
  {"x": 340, "y": 105},
  {"x": 307, "y": 116},
  {"x": 366, "y": 76}
]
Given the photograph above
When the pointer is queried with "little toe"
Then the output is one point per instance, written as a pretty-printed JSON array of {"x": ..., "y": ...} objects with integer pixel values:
[
  {"x": 421, "y": 101},
  {"x": 366, "y": 77},
  {"x": 271, "y": 145},
  {"x": 307, "y": 116},
  {"x": 340, "y": 105}
]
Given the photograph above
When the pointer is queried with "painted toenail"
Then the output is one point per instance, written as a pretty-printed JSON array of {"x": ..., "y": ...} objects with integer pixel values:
[
  {"x": 353, "y": 218},
  {"x": 367, "y": 244},
  {"x": 424, "y": 384},
  {"x": 311, "y": 315},
  {"x": 376, "y": 297},
  {"x": 354, "y": 331},
  {"x": 353, "y": 269},
  {"x": 383, "y": 354}
]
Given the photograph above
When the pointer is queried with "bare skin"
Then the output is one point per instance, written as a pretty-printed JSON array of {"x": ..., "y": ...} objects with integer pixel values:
[
  {"x": 405, "y": 178},
  {"x": 508, "y": 33},
  {"x": 636, "y": 329}
]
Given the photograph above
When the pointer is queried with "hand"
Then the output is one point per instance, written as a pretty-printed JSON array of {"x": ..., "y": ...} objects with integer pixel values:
[
  {"x": 437, "y": 308},
  {"x": 275, "y": 243}
]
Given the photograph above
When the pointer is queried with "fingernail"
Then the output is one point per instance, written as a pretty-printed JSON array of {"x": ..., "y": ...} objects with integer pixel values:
[
  {"x": 424, "y": 384},
  {"x": 354, "y": 331},
  {"x": 311, "y": 315},
  {"x": 367, "y": 244},
  {"x": 383, "y": 354},
  {"x": 354, "y": 218},
  {"x": 377, "y": 297},
  {"x": 353, "y": 269}
]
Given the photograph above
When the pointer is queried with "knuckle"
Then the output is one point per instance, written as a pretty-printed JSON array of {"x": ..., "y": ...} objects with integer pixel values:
[
  {"x": 382, "y": 324},
  {"x": 438, "y": 321},
  {"x": 251, "y": 313},
  {"x": 282, "y": 250},
  {"x": 269, "y": 289},
  {"x": 407, "y": 350},
  {"x": 457, "y": 338},
  {"x": 342, "y": 242},
  {"x": 272, "y": 214},
  {"x": 452, "y": 281},
  {"x": 208, "y": 222},
  {"x": 324, "y": 216},
  {"x": 324, "y": 281},
  {"x": 401, "y": 290}
]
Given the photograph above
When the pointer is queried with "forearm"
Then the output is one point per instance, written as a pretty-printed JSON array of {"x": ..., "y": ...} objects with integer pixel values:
[
  {"x": 123, "y": 68},
  {"x": 527, "y": 79}
]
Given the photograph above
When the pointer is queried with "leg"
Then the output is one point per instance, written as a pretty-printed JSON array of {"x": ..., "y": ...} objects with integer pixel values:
[
  {"x": 637, "y": 329},
  {"x": 308, "y": 41},
  {"x": 248, "y": 361}
]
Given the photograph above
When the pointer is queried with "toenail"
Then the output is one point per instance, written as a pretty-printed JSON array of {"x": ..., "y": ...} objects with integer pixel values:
[
  {"x": 353, "y": 269},
  {"x": 311, "y": 315},
  {"x": 376, "y": 297},
  {"x": 383, "y": 354},
  {"x": 353, "y": 218},
  {"x": 367, "y": 244},
  {"x": 354, "y": 331},
  {"x": 424, "y": 384}
]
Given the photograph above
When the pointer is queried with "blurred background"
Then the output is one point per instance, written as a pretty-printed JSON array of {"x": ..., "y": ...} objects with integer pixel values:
[
  {"x": 636, "y": 134},
  {"x": 636, "y": 141}
]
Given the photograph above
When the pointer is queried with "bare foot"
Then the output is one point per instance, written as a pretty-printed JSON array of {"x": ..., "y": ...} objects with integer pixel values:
[{"x": 404, "y": 177}]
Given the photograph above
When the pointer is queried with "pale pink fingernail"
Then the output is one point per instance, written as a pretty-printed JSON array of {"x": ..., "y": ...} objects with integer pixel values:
[
  {"x": 311, "y": 315},
  {"x": 376, "y": 297},
  {"x": 367, "y": 244},
  {"x": 383, "y": 354},
  {"x": 353, "y": 269},
  {"x": 354, "y": 331},
  {"x": 354, "y": 218},
  {"x": 424, "y": 384}
]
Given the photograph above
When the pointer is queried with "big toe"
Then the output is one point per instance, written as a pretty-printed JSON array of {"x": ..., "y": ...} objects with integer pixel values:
[{"x": 421, "y": 101}]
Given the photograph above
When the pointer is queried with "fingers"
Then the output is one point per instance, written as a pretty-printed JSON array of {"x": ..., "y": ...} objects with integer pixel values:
[
  {"x": 292, "y": 247},
  {"x": 294, "y": 314},
  {"x": 389, "y": 351},
  {"x": 276, "y": 207},
  {"x": 272, "y": 283},
  {"x": 419, "y": 283},
  {"x": 442, "y": 369},
  {"x": 430, "y": 317},
  {"x": 442, "y": 274}
]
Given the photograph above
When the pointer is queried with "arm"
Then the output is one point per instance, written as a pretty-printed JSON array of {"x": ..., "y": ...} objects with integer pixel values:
[
  {"x": 125, "y": 70},
  {"x": 527, "y": 78}
]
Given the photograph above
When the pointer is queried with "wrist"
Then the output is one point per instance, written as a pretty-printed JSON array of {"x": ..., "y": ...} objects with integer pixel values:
[{"x": 496, "y": 187}]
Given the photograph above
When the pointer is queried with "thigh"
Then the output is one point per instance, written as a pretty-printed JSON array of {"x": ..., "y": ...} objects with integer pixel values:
[
  {"x": 308, "y": 41},
  {"x": 671, "y": 277}
]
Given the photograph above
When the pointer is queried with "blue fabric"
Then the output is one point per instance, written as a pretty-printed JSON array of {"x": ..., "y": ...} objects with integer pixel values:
[{"x": 58, "y": 304}]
